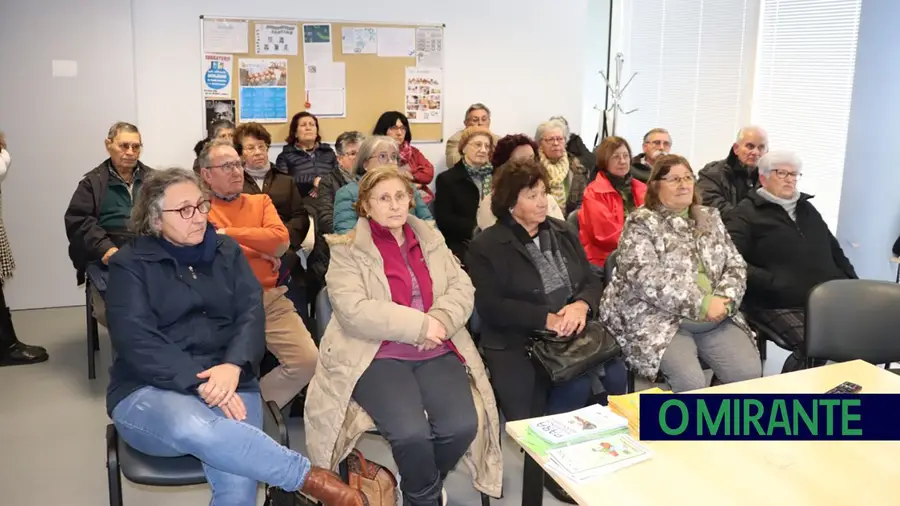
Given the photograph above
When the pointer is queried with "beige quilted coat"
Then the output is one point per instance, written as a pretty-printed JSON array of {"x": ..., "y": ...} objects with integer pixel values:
[{"x": 364, "y": 315}]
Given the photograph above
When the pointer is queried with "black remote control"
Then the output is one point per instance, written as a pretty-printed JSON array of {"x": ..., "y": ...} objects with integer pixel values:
[{"x": 845, "y": 388}]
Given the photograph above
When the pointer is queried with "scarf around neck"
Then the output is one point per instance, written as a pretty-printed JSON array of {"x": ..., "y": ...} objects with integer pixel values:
[
  {"x": 789, "y": 205},
  {"x": 559, "y": 178},
  {"x": 622, "y": 185},
  {"x": 485, "y": 173},
  {"x": 548, "y": 261},
  {"x": 202, "y": 253},
  {"x": 258, "y": 173}
]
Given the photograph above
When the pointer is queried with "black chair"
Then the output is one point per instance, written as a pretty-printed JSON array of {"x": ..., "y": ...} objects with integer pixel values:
[
  {"x": 93, "y": 331},
  {"x": 853, "y": 319},
  {"x": 143, "y": 469},
  {"x": 609, "y": 267},
  {"x": 323, "y": 316},
  {"x": 765, "y": 333}
]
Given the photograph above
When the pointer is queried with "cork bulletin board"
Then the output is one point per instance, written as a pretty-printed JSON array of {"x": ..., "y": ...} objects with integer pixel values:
[{"x": 376, "y": 67}]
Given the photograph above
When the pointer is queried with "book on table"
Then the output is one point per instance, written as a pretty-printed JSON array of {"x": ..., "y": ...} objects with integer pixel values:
[
  {"x": 578, "y": 425},
  {"x": 597, "y": 457},
  {"x": 628, "y": 406}
]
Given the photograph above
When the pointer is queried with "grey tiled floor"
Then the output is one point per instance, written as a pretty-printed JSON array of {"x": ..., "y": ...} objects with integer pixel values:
[{"x": 52, "y": 423}]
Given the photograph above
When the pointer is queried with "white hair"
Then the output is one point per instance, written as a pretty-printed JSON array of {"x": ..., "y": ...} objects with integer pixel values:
[
  {"x": 773, "y": 159},
  {"x": 553, "y": 124},
  {"x": 747, "y": 129}
]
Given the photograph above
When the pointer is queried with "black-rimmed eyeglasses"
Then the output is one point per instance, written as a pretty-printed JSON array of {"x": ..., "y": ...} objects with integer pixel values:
[{"x": 187, "y": 212}]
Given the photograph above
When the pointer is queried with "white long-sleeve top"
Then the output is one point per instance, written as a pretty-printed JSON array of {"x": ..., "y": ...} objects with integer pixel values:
[{"x": 4, "y": 164}]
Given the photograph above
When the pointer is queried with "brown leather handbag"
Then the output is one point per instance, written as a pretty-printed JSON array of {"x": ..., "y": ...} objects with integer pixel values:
[{"x": 375, "y": 481}]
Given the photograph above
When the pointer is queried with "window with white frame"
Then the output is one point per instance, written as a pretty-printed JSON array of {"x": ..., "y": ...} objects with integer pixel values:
[
  {"x": 694, "y": 64},
  {"x": 803, "y": 84}
]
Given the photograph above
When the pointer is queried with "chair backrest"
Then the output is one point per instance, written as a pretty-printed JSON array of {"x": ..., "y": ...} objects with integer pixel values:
[
  {"x": 323, "y": 313},
  {"x": 853, "y": 319},
  {"x": 609, "y": 267},
  {"x": 573, "y": 219}
]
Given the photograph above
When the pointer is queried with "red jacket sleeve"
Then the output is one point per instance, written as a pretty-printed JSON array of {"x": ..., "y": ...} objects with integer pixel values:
[
  {"x": 422, "y": 170},
  {"x": 599, "y": 226}
]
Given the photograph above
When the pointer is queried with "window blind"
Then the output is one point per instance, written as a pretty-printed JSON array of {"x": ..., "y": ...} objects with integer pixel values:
[
  {"x": 694, "y": 60},
  {"x": 803, "y": 85}
]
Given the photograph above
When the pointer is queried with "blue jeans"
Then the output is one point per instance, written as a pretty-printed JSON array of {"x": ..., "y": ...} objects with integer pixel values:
[
  {"x": 574, "y": 393},
  {"x": 235, "y": 455}
]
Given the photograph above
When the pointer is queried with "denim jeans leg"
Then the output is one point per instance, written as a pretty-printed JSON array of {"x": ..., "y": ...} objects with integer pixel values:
[
  {"x": 165, "y": 423},
  {"x": 569, "y": 396}
]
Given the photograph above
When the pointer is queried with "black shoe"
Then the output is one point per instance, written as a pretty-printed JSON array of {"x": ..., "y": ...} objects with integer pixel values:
[
  {"x": 23, "y": 354},
  {"x": 557, "y": 491}
]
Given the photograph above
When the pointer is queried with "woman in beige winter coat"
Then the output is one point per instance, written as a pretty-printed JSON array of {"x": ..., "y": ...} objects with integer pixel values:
[
  {"x": 675, "y": 294},
  {"x": 396, "y": 355}
]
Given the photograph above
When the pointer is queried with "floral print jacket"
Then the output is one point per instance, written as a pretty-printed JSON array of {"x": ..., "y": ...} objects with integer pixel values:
[{"x": 655, "y": 283}]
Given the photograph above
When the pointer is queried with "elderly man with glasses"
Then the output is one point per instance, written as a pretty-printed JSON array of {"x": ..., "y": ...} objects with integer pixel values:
[
  {"x": 788, "y": 249},
  {"x": 97, "y": 217},
  {"x": 253, "y": 221}
]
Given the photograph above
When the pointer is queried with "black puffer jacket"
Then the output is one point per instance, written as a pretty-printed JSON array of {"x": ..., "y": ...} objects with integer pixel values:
[
  {"x": 305, "y": 166},
  {"x": 639, "y": 169},
  {"x": 723, "y": 184}
]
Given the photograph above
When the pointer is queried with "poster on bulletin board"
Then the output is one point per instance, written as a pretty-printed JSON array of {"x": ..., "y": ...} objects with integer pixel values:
[
  {"x": 263, "y": 90},
  {"x": 217, "y": 71}
]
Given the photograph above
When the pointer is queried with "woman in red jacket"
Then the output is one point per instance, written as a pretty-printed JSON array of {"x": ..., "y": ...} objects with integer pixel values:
[
  {"x": 394, "y": 124},
  {"x": 608, "y": 200}
]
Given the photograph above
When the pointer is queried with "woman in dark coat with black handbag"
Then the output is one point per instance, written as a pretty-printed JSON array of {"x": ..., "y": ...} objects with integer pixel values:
[{"x": 531, "y": 274}]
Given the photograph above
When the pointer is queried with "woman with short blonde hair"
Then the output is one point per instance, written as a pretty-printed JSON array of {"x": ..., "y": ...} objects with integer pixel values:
[{"x": 396, "y": 355}]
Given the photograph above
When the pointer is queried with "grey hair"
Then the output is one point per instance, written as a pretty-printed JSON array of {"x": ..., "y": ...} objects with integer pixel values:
[
  {"x": 346, "y": 139},
  {"x": 369, "y": 147},
  {"x": 148, "y": 207},
  {"x": 203, "y": 161},
  {"x": 773, "y": 159},
  {"x": 119, "y": 127},
  {"x": 477, "y": 106},
  {"x": 751, "y": 128},
  {"x": 565, "y": 122},
  {"x": 657, "y": 131},
  {"x": 552, "y": 124}
]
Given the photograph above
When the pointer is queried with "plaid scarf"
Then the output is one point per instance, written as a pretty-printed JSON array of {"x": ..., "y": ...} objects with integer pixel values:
[{"x": 485, "y": 173}]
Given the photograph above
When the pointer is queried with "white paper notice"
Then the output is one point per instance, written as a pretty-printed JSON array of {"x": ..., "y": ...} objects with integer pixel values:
[
  {"x": 326, "y": 102},
  {"x": 276, "y": 39},
  {"x": 397, "y": 42},
  {"x": 429, "y": 47},
  {"x": 317, "y": 44},
  {"x": 357, "y": 40},
  {"x": 424, "y": 95},
  {"x": 225, "y": 36},
  {"x": 326, "y": 76},
  {"x": 65, "y": 68}
]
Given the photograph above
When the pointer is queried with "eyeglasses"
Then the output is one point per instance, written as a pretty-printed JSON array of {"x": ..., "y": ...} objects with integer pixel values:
[
  {"x": 396, "y": 128},
  {"x": 130, "y": 146},
  {"x": 660, "y": 143},
  {"x": 785, "y": 174},
  {"x": 480, "y": 145},
  {"x": 187, "y": 212},
  {"x": 554, "y": 140},
  {"x": 255, "y": 148},
  {"x": 229, "y": 166},
  {"x": 675, "y": 181},
  {"x": 385, "y": 200},
  {"x": 351, "y": 154},
  {"x": 619, "y": 156},
  {"x": 386, "y": 157}
]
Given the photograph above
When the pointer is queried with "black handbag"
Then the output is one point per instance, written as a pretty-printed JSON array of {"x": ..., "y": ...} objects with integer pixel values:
[{"x": 566, "y": 358}]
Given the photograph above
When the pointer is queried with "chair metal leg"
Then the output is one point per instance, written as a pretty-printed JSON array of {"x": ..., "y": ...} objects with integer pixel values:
[
  {"x": 92, "y": 331},
  {"x": 112, "y": 466},
  {"x": 485, "y": 499},
  {"x": 630, "y": 387},
  {"x": 761, "y": 344},
  {"x": 283, "y": 436}
]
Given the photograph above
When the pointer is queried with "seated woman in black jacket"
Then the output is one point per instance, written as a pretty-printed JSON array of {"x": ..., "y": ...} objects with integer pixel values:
[
  {"x": 461, "y": 188},
  {"x": 530, "y": 273},
  {"x": 186, "y": 320}
]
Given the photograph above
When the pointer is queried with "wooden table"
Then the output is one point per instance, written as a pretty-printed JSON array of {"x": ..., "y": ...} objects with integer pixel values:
[{"x": 754, "y": 473}]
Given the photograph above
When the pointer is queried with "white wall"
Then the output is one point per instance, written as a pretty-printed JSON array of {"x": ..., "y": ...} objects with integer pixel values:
[
  {"x": 496, "y": 52},
  {"x": 139, "y": 61},
  {"x": 55, "y": 128},
  {"x": 869, "y": 217}
]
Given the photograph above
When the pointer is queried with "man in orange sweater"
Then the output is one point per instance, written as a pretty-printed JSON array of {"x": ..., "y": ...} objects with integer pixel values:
[{"x": 253, "y": 222}]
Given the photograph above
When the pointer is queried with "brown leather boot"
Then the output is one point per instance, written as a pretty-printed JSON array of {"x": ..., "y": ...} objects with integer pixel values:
[{"x": 328, "y": 487}]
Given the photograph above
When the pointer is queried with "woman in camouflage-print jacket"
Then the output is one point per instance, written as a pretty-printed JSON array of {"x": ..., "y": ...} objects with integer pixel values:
[{"x": 655, "y": 284}]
